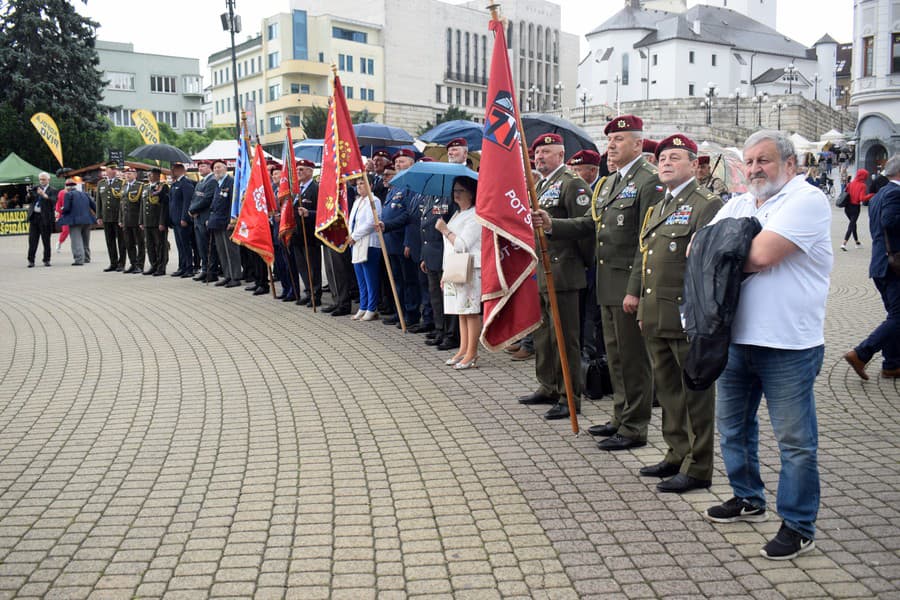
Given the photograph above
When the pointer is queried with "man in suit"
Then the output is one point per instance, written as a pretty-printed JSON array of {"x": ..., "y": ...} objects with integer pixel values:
[
  {"x": 303, "y": 241},
  {"x": 130, "y": 220},
  {"x": 198, "y": 210},
  {"x": 561, "y": 195},
  {"x": 108, "y": 199},
  {"x": 78, "y": 213},
  {"x": 219, "y": 225},
  {"x": 154, "y": 222},
  {"x": 180, "y": 194},
  {"x": 616, "y": 218},
  {"x": 41, "y": 204},
  {"x": 884, "y": 225},
  {"x": 688, "y": 423}
]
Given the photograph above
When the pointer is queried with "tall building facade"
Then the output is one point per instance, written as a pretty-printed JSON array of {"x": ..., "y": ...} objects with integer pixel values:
[
  {"x": 170, "y": 87},
  {"x": 876, "y": 80}
]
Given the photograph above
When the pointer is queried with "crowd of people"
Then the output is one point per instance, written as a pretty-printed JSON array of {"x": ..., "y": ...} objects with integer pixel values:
[{"x": 619, "y": 230}]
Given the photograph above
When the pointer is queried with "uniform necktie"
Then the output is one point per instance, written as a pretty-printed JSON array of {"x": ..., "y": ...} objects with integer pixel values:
[
  {"x": 669, "y": 197},
  {"x": 616, "y": 180}
]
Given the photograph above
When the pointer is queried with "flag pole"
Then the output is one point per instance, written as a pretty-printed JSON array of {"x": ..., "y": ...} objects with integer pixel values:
[
  {"x": 309, "y": 277},
  {"x": 545, "y": 261}
]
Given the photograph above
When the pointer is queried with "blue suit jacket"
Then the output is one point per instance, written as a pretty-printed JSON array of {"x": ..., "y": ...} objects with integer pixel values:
[
  {"x": 180, "y": 195},
  {"x": 78, "y": 209},
  {"x": 884, "y": 214},
  {"x": 220, "y": 210},
  {"x": 398, "y": 212}
]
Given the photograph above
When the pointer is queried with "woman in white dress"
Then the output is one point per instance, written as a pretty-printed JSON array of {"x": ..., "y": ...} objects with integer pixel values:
[{"x": 462, "y": 234}]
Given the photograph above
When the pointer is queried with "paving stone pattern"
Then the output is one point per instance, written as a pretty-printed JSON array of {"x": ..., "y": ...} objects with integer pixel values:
[{"x": 161, "y": 438}]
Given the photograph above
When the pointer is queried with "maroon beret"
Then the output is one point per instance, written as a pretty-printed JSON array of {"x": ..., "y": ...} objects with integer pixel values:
[
  {"x": 404, "y": 152},
  {"x": 678, "y": 140},
  {"x": 547, "y": 139},
  {"x": 457, "y": 143},
  {"x": 704, "y": 160},
  {"x": 624, "y": 123},
  {"x": 649, "y": 146},
  {"x": 382, "y": 154},
  {"x": 302, "y": 162},
  {"x": 585, "y": 157},
  {"x": 426, "y": 159}
]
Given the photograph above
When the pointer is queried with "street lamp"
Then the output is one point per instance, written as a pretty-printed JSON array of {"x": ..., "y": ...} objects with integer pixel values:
[
  {"x": 737, "y": 106},
  {"x": 708, "y": 101},
  {"x": 779, "y": 106},
  {"x": 790, "y": 69},
  {"x": 584, "y": 98},
  {"x": 232, "y": 23},
  {"x": 558, "y": 88},
  {"x": 816, "y": 80},
  {"x": 760, "y": 98},
  {"x": 531, "y": 92}
]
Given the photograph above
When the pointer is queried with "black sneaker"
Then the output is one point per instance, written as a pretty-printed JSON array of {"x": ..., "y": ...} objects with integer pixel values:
[
  {"x": 736, "y": 509},
  {"x": 787, "y": 544}
]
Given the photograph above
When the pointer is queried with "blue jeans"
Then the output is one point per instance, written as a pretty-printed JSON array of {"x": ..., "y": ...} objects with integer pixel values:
[
  {"x": 786, "y": 378},
  {"x": 886, "y": 336},
  {"x": 368, "y": 279}
]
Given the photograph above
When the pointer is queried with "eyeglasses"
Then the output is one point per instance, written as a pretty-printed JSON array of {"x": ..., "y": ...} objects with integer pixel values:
[{"x": 460, "y": 191}]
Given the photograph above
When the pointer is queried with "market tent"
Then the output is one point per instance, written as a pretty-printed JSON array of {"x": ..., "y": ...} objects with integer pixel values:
[
  {"x": 226, "y": 150},
  {"x": 14, "y": 170}
]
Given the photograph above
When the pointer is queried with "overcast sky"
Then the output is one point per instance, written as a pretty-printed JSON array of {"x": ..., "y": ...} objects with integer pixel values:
[{"x": 192, "y": 27}]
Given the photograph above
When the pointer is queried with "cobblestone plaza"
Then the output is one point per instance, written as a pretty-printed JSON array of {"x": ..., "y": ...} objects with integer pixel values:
[{"x": 161, "y": 438}]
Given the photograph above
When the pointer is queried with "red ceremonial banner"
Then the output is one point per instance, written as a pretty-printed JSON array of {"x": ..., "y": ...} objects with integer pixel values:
[
  {"x": 288, "y": 188},
  {"x": 252, "y": 228},
  {"x": 341, "y": 162},
  {"x": 509, "y": 289}
]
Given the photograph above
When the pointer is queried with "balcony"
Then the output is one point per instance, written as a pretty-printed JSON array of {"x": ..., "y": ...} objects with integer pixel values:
[
  {"x": 307, "y": 67},
  {"x": 464, "y": 78}
]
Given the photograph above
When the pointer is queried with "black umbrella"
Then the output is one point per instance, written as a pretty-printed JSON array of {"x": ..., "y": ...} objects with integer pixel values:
[
  {"x": 376, "y": 134},
  {"x": 163, "y": 152},
  {"x": 574, "y": 137}
]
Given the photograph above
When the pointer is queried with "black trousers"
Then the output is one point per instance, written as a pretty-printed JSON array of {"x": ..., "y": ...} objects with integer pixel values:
[
  {"x": 115, "y": 243},
  {"x": 436, "y": 295},
  {"x": 314, "y": 287},
  {"x": 182, "y": 242},
  {"x": 157, "y": 243},
  {"x": 340, "y": 277},
  {"x": 39, "y": 229},
  {"x": 134, "y": 245},
  {"x": 852, "y": 212}
]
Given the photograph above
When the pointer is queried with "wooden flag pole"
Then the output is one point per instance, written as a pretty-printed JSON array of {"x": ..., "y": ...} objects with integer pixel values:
[
  {"x": 545, "y": 261},
  {"x": 309, "y": 277}
]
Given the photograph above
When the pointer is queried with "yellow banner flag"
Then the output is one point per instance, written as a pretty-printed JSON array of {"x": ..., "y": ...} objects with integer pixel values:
[
  {"x": 48, "y": 130},
  {"x": 146, "y": 125}
]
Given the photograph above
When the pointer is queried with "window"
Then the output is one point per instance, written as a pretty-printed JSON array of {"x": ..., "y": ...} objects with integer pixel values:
[
  {"x": 121, "y": 117},
  {"x": 691, "y": 57},
  {"x": 259, "y": 63},
  {"x": 274, "y": 60},
  {"x": 193, "y": 119},
  {"x": 299, "y": 88},
  {"x": 449, "y": 50},
  {"x": 168, "y": 117},
  {"x": 895, "y": 53},
  {"x": 437, "y": 93},
  {"x": 690, "y": 89},
  {"x": 458, "y": 96},
  {"x": 301, "y": 37},
  {"x": 274, "y": 92},
  {"x": 272, "y": 31},
  {"x": 366, "y": 66},
  {"x": 449, "y": 95},
  {"x": 259, "y": 95},
  {"x": 275, "y": 124},
  {"x": 162, "y": 84},
  {"x": 217, "y": 107},
  {"x": 362, "y": 93},
  {"x": 468, "y": 97},
  {"x": 348, "y": 34},
  {"x": 240, "y": 73},
  {"x": 625, "y": 69},
  {"x": 655, "y": 59},
  {"x": 321, "y": 57},
  {"x": 868, "y": 56},
  {"x": 371, "y": 97},
  {"x": 458, "y": 51},
  {"x": 713, "y": 60},
  {"x": 467, "y": 59},
  {"x": 120, "y": 81},
  {"x": 348, "y": 91}
]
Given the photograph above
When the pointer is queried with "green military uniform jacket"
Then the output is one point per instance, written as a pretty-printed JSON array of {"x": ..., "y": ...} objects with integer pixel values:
[
  {"x": 565, "y": 195},
  {"x": 667, "y": 230},
  {"x": 155, "y": 205},
  {"x": 131, "y": 204},
  {"x": 715, "y": 185},
  {"x": 108, "y": 199},
  {"x": 617, "y": 214}
]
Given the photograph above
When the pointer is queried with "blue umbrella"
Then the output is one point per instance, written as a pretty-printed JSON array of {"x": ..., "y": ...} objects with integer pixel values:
[
  {"x": 443, "y": 133},
  {"x": 432, "y": 178},
  {"x": 378, "y": 134}
]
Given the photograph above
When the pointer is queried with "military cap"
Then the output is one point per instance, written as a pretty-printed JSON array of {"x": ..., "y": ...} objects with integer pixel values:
[
  {"x": 404, "y": 152},
  {"x": 624, "y": 123},
  {"x": 678, "y": 140},
  {"x": 156, "y": 171},
  {"x": 704, "y": 160},
  {"x": 585, "y": 157},
  {"x": 649, "y": 146},
  {"x": 458, "y": 143},
  {"x": 213, "y": 163},
  {"x": 302, "y": 162},
  {"x": 111, "y": 163},
  {"x": 177, "y": 165},
  {"x": 128, "y": 169},
  {"x": 382, "y": 154},
  {"x": 426, "y": 159},
  {"x": 547, "y": 139}
]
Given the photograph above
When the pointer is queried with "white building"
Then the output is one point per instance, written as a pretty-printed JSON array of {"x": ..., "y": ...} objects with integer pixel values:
[
  {"x": 641, "y": 53},
  {"x": 876, "y": 80}
]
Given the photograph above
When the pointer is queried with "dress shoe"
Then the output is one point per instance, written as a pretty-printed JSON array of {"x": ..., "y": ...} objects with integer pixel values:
[
  {"x": 434, "y": 334},
  {"x": 660, "y": 469},
  {"x": 233, "y": 284},
  {"x": 560, "y": 411},
  {"x": 46, "y": 263},
  {"x": 462, "y": 366},
  {"x": 682, "y": 483},
  {"x": 250, "y": 288},
  {"x": 159, "y": 273},
  {"x": 435, "y": 341},
  {"x": 304, "y": 299},
  {"x": 619, "y": 442},
  {"x": 537, "y": 398},
  {"x": 106, "y": 270},
  {"x": 391, "y": 320},
  {"x": 177, "y": 273},
  {"x": 212, "y": 278},
  {"x": 421, "y": 328},
  {"x": 128, "y": 271},
  {"x": 512, "y": 348},
  {"x": 340, "y": 312},
  {"x": 223, "y": 282},
  {"x": 260, "y": 291},
  {"x": 77, "y": 264},
  {"x": 31, "y": 264},
  {"x": 201, "y": 276},
  {"x": 522, "y": 354},
  {"x": 330, "y": 308},
  {"x": 187, "y": 274},
  {"x": 288, "y": 298},
  {"x": 856, "y": 362},
  {"x": 148, "y": 272},
  {"x": 890, "y": 373},
  {"x": 120, "y": 268},
  {"x": 605, "y": 430},
  {"x": 448, "y": 344}
]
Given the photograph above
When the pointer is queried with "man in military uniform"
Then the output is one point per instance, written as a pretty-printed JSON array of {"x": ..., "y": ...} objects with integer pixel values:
[
  {"x": 648, "y": 150},
  {"x": 432, "y": 260},
  {"x": 561, "y": 195},
  {"x": 708, "y": 180},
  {"x": 586, "y": 164},
  {"x": 180, "y": 194},
  {"x": 108, "y": 199},
  {"x": 381, "y": 160},
  {"x": 306, "y": 215},
  {"x": 154, "y": 222},
  {"x": 457, "y": 151},
  {"x": 130, "y": 220},
  {"x": 688, "y": 417},
  {"x": 616, "y": 216},
  {"x": 198, "y": 210}
]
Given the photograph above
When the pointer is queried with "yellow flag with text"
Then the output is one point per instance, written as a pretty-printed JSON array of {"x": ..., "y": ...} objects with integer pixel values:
[
  {"x": 48, "y": 130},
  {"x": 146, "y": 125}
]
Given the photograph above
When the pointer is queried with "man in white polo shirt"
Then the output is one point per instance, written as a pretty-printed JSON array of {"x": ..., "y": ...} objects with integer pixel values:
[{"x": 777, "y": 345}]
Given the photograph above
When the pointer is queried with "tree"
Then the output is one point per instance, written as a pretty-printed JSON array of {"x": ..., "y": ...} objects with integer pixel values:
[
  {"x": 314, "y": 121},
  {"x": 123, "y": 138},
  {"x": 363, "y": 116},
  {"x": 49, "y": 63},
  {"x": 453, "y": 113}
]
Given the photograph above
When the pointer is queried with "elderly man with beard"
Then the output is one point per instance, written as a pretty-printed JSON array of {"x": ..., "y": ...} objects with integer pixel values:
[{"x": 777, "y": 345}]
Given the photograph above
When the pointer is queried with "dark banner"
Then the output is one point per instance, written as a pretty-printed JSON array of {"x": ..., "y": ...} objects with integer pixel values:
[{"x": 14, "y": 222}]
